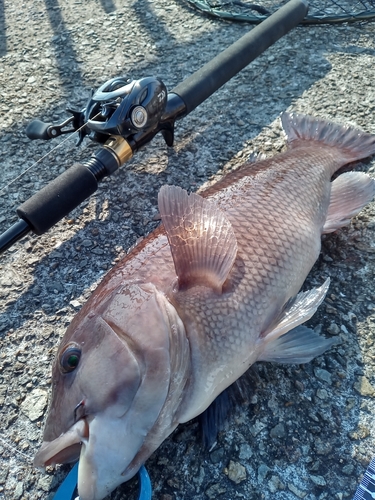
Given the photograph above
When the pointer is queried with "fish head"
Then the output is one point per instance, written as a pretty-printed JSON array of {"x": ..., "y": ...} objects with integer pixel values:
[{"x": 114, "y": 392}]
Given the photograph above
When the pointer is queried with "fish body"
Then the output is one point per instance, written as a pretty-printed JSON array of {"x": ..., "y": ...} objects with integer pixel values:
[{"x": 211, "y": 291}]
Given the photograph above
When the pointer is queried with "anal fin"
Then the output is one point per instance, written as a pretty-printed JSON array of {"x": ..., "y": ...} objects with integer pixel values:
[
  {"x": 200, "y": 236},
  {"x": 350, "y": 192}
]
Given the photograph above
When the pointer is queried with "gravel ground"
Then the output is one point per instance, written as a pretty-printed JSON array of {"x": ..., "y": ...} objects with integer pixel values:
[{"x": 307, "y": 431}]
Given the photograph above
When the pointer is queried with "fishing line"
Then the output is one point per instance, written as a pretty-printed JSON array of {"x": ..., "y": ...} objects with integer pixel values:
[
  {"x": 14, "y": 449},
  {"x": 45, "y": 156}
]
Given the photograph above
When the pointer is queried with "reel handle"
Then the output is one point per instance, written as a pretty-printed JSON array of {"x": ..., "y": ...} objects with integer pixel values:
[
  {"x": 38, "y": 130},
  {"x": 41, "y": 130}
]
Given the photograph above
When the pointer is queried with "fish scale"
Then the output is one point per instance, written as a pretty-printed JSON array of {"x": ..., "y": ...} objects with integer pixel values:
[
  {"x": 211, "y": 291},
  {"x": 289, "y": 245}
]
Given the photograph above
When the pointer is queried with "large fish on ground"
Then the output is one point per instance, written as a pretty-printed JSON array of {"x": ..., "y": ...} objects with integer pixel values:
[{"x": 211, "y": 291}]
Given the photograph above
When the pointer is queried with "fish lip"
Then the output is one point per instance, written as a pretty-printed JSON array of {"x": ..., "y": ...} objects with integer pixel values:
[{"x": 64, "y": 449}]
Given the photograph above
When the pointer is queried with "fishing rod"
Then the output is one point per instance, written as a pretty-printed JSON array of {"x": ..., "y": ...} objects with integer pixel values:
[{"x": 124, "y": 116}]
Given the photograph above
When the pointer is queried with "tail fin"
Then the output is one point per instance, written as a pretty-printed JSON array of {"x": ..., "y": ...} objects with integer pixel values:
[{"x": 352, "y": 143}]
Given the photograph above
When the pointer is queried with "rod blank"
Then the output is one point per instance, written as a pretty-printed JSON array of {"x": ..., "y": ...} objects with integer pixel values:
[{"x": 204, "y": 82}]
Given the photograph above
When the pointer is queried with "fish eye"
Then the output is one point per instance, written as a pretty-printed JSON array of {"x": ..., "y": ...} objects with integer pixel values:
[{"x": 70, "y": 358}]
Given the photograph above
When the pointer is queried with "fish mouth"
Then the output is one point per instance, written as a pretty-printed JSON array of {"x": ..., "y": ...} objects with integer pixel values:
[{"x": 64, "y": 449}]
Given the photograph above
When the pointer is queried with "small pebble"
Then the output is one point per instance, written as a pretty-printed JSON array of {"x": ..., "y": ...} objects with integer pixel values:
[
  {"x": 333, "y": 329},
  {"x": 44, "y": 482},
  {"x": 363, "y": 386},
  {"x": 274, "y": 484},
  {"x": 263, "y": 470},
  {"x": 322, "y": 394},
  {"x": 18, "y": 492},
  {"x": 278, "y": 431},
  {"x": 236, "y": 472},
  {"x": 35, "y": 404},
  {"x": 348, "y": 469},
  {"x": 246, "y": 451},
  {"x": 299, "y": 493},
  {"x": 215, "y": 490},
  {"x": 318, "y": 480},
  {"x": 322, "y": 447},
  {"x": 323, "y": 375}
]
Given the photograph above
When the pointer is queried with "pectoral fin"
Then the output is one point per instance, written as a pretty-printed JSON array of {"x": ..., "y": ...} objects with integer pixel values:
[
  {"x": 296, "y": 311},
  {"x": 350, "y": 192},
  {"x": 201, "y": 238},
  {"x": 287, "y": 341},
  {"x": 299, "y": 345}
]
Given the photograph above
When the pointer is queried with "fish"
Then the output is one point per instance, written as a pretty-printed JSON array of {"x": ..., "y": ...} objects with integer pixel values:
[{"x": 212, "y": 290}]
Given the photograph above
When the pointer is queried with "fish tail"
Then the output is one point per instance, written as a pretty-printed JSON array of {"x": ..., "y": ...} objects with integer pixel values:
[{"x": 352, "y": 143}]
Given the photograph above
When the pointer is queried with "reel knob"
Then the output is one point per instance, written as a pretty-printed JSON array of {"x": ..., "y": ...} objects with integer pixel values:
[{"x": 139, "y": 117}]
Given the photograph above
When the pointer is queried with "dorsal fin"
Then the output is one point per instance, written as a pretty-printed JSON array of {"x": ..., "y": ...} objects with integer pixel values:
[
  {"x": 352, "y": 143},
  {"x": 201, "y": 238}
]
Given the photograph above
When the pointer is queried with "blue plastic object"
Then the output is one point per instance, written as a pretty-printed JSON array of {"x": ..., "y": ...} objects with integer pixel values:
[
  {"x": 68, "y": 488},
  {"x": 145, "y": 490}
]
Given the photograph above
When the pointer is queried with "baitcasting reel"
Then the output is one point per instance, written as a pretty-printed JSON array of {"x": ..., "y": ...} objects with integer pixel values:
[{"x": 119, "y": 107}]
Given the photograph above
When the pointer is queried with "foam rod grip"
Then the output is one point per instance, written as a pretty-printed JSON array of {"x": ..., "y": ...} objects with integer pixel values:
[{"x": 58, "y": 198}]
